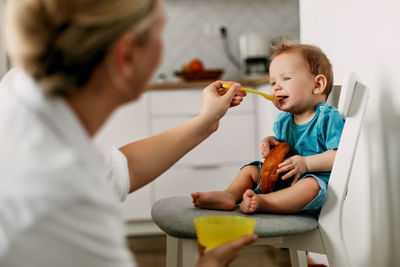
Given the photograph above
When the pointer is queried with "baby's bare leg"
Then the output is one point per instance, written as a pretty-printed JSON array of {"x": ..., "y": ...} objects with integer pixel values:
[
  {"x": 290, "y": 199},
  {"x": 227, "y": 199}
]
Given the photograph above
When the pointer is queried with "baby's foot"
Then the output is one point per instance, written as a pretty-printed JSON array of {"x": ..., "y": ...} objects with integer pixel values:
[
  {"x": 249, "y": 202},
  {"x": 216, "y": 200}
]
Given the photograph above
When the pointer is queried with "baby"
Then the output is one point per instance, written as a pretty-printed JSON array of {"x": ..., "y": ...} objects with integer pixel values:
[{"x": 302, "y": 75}]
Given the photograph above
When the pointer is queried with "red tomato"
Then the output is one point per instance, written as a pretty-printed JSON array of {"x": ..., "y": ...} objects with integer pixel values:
[{"x": 196, "y": 65}]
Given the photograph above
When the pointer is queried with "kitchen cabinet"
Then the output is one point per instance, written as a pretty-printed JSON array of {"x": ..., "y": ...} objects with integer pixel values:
[
  {"x": 181, "y": 181},
  {"x": 210, "y": 166},
  {"x": 234, "y": 140},
  {"x": 215, "y": 162}
]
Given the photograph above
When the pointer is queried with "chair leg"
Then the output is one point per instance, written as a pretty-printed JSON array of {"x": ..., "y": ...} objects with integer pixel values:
[
  {"x": 181, "y": 252},
  {"x": 298, "y": 258},
  {"x": 189, "y": 252},
  {"x": 172, "y": 251}
]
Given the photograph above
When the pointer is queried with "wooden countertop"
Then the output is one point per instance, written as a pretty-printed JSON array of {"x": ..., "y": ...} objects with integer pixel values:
[{"x": 203, "y": 83}]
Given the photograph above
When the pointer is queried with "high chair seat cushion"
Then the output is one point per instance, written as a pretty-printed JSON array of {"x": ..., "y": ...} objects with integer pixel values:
[{"x": 175, "y": 216}]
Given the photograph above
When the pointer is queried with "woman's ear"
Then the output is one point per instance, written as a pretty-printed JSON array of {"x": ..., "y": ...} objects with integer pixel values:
[
  {"x": 120, "y": 64},
  {"x": 319, "y": 84},
  {"x": 123, "y": 55}
]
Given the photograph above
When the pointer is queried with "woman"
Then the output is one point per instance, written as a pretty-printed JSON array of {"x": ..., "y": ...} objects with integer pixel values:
[{"x": 77, "y": 61}]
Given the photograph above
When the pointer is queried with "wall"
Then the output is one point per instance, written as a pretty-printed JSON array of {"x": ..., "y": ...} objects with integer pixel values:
[
  {"x": 363, "y": 36},
  {"x": 186, "y": 37},
  {"x": 3, "y": 61}
]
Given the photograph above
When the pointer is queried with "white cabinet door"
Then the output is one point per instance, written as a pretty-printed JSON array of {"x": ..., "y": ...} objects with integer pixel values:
[
  {"x": 214, "y": 163},
  {"x": 181, "y": 181},
  {"x": 137, "y": 206},
  {"x": 127, "y": 124},
  {"x": 130, "y": 123},
  {"x": 180, "y": 102},
  {"x": 234, "y": 141}
]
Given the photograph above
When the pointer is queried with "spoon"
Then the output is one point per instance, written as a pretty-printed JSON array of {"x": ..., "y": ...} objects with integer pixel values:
[{"x": 269, "y": 97}]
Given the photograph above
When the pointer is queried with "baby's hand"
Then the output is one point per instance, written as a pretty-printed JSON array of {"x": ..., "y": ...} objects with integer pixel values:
[
  {"x": 266, "y": 144},
  {"x": 295, "y": 166}
]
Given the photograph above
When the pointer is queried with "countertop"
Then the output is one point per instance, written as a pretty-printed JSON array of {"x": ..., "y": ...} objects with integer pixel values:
[{"x": 203, "y": 83}]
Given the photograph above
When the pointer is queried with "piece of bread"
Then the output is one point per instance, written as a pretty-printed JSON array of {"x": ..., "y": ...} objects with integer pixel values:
[{"x": 269, "y": 176}]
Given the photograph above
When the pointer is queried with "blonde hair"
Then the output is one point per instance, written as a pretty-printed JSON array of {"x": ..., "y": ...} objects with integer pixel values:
[
  {"x": 61, "y": 42},
  {"x": 317, "y": 61}
]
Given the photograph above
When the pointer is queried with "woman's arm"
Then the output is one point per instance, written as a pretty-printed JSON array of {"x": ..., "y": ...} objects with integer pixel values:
[{"x": 150, "y": 157}]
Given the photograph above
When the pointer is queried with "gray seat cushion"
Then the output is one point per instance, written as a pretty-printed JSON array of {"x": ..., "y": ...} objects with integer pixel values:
[{"x": 175, "y": 216}]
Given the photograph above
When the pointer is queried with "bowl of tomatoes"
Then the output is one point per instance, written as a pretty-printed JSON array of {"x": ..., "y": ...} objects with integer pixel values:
[{"x": 195, "y": 71}]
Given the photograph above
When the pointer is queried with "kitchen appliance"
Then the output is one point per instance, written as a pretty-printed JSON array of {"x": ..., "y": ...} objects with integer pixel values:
[{"x": 254, "y": 54}]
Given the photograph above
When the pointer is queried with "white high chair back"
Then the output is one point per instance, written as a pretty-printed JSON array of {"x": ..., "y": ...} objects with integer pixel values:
[{"x": 352, "y": 105}]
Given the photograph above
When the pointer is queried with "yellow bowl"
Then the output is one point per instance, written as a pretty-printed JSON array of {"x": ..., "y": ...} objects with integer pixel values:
[{"x": 213, "y": 231}]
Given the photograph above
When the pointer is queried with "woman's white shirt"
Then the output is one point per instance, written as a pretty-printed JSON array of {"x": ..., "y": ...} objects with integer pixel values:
[{"x": 59, "y": 193}]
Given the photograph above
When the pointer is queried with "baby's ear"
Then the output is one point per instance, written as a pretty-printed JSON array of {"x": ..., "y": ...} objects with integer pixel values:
[{"x": 319, "y": 84}]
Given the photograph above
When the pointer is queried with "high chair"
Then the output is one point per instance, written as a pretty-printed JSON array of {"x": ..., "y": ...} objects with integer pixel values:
[{"x": 297, "y": 232}]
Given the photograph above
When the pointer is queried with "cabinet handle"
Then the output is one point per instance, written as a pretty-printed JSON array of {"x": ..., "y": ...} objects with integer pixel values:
[{"x": 206, "y": 166}]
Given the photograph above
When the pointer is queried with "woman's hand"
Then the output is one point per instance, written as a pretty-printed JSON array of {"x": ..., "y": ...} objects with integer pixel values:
[
  {"x": 266, "y": 145},
  {"x": 295, "y": 166},
  {"x": 224, "y": 254},
  {"x": 215, "y": 102}
]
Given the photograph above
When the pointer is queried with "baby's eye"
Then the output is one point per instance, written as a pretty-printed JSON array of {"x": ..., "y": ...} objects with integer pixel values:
[
  {"x": 273, "y": 83},
  {"x": 286, "y": 78}
]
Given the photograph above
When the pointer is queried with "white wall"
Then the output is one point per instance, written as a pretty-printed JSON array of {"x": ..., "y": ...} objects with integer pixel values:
[
  {"x": 186, "y": 35},
  {"x": 3, "y": 62},
  {"x": 364, "y": 36}
]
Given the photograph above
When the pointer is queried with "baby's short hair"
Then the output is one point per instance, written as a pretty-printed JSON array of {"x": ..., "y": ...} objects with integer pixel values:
[{"x": 317, "y": 61}]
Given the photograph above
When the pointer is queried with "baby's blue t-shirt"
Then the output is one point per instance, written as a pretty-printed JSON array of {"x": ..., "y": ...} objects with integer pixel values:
[{"x": 320, "y": 134}]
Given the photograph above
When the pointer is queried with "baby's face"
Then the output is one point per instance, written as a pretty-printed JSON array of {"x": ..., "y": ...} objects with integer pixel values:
[{"x": 291, "y": 79}]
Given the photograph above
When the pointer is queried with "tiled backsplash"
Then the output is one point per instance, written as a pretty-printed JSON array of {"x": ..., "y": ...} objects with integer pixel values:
[{"x": 186, "y": 38}]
